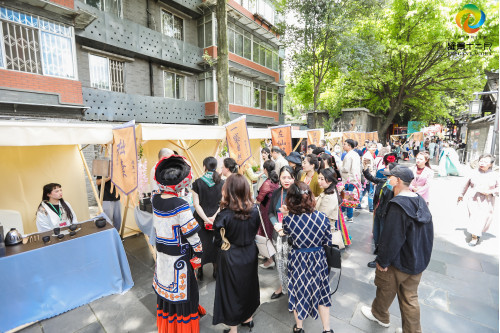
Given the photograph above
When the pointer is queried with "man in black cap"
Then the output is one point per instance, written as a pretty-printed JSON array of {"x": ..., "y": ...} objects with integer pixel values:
[{"x": 403, "y": 253}]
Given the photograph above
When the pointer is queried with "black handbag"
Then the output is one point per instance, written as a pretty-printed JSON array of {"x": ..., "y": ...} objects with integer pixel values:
[
  {"x": 334, "y": 260},
  {"x": 333, "y": 256}
]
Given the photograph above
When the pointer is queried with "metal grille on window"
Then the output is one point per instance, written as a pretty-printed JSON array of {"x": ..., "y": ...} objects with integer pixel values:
[
  {"x": 22, "y": 48},
  {"x": 117, "y": 82}
]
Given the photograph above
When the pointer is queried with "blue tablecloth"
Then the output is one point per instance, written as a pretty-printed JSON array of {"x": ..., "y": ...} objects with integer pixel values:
[{"x": 51, "y": 280}]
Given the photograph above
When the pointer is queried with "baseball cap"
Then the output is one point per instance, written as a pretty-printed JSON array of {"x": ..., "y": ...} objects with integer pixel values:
[{"x": 401, "y": 172}]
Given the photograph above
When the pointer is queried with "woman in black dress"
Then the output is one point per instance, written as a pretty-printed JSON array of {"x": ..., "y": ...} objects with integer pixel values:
[
  {"x": 237, "y": 294},
  {"x": 207, "y": 193}
]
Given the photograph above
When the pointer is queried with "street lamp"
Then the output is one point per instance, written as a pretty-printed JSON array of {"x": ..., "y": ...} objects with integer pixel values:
[{"x": 475, "y": 107}]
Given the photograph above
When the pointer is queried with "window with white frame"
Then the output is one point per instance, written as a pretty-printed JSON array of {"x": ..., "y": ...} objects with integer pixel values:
[
  {"x": 173, "y": 85},
  {"x": 172, "y": 26},
  {"x": 106, "y": 73},
  {"x": 205, "y": 33},
  {"x": 247, "y": 93},
  {"x": 36, "y": 45},
  {"x": 206, "y": 87},
  {"x": 110, "y": 6}
]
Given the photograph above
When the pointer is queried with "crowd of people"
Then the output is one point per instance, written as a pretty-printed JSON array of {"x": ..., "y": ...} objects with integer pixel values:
[{"x": 301, "y": 200}]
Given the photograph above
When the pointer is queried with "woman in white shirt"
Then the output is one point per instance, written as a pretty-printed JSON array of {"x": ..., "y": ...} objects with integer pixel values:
[{"x": 53, "y": 211}]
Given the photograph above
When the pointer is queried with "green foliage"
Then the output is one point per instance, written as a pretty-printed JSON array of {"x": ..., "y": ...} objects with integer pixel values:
[{"x": 394, "y": 61}]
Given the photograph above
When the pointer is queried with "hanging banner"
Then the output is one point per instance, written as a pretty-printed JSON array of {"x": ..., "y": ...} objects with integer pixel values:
[
  {"x": 124, "y": 158},
  {"x": 238, "y": 142},
  {"x": 282, "y": 137},
  {"x": 314, "y": 137}
]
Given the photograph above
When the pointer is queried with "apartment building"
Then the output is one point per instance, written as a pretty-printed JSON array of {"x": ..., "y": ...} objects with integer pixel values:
[{"x": 117, "y": 60}]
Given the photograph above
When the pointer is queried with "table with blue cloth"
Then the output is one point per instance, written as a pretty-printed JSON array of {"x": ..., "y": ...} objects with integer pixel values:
[{"x": 40, "y": 280}]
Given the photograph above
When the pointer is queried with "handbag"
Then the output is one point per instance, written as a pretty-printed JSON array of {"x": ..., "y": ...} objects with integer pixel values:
[
  {"x": 333, "y": 257},
  {"x": 264, "y": 244},
  {"x": 337, "y": 239},
  {"x": 350, "y": 199}
]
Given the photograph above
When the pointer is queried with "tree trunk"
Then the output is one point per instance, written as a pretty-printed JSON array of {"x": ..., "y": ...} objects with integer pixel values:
[
  {"x": 395, "y": 108},
  {"x": 222, "y": 72},
  {"x": 315, "y": 106}
]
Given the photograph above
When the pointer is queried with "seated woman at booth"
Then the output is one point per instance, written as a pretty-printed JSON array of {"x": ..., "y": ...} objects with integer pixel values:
[{"x": 53, "y": 211}]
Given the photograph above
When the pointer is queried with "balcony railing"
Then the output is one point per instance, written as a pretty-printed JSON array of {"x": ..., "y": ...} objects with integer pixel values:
[
  {"x": 132, "y": 37},
  {"x": 107, "y": 105}
]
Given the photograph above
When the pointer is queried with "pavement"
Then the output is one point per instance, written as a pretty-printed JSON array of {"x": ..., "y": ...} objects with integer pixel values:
[{"x": 458, "y": 291}]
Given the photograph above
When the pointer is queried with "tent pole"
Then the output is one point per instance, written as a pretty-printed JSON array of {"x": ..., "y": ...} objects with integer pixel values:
[
  {"x": 91, "y": 180},
  {"x": 298, "y": 143},
  {"x": 125, "y": 211}
]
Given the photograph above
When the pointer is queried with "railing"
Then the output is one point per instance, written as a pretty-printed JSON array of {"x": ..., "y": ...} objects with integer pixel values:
[
  {"x": 132, "y": 37},
  {"x": 107, "y": 105}
]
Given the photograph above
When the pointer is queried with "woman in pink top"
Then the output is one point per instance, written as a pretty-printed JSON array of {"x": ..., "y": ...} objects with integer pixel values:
[{"x": 423, "y": 175}]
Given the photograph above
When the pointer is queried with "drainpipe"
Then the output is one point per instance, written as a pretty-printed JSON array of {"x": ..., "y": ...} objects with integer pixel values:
[{"x": 151, "y": 82}]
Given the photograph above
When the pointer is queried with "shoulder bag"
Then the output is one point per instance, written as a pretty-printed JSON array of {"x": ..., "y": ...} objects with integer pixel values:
[{"x": 264, "y": 244}]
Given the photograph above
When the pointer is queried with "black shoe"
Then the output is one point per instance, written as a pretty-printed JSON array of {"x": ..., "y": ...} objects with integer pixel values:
[
  {"x": 275, "y": 296},
  {"x": 249, "y": 324},
  {"x": 227, "y": 330},
  {"x": 330, "y": 331},
  {"x": 372, "y": 264},
  {"x": 199, "y": 275},
  {"x": 297, "y": 330}
]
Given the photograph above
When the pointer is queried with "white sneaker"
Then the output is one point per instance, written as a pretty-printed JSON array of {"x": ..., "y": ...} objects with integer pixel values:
[
  {"x": 349, "y": 220},
  {"x": 271, "y": 265},
  {"x": 367, "y": 312}
]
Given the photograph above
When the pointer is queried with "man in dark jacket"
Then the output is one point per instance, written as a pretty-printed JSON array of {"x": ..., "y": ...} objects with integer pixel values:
[{"x": 404, "y": 251}]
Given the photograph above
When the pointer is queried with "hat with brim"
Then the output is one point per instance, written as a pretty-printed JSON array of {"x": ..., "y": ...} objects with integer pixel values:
[
  {"x": 294, "y": 157},
  {"x": 173, "y": 174},
  {"x": 401, "y": 172}
]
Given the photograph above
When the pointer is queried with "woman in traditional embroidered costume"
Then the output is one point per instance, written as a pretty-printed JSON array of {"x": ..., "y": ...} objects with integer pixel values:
[{"x": 178, "y": 248}]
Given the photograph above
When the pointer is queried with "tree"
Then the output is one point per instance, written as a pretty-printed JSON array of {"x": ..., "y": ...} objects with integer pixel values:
[
  {"x": 324, "y": 40},
  {"x": 222, "y": 70},
  {"x": 418, "y": 74}
]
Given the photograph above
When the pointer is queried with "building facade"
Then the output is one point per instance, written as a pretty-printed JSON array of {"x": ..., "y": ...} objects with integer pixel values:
[{"x": 118, "y": 60}]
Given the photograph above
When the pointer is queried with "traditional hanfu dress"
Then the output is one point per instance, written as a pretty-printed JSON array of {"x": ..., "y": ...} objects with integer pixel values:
[
  {"x": 308, "y": 280},
  {"x": 422, "y": 181},
  {"x": 237, "y": 294},
  {"x": 482, "y": 188}
]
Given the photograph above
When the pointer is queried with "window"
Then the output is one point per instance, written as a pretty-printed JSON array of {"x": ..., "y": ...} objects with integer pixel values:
[
  {"x": 205, "y": 87},
  {"x": 35, "y": 45},
  {"x": 172, "y": 25},
  {"x": 106, "y": 73},
  {"x": 109, "y": 6},
  {"x": 173, "y": 85},
  {"x": 205, "y": 31}
]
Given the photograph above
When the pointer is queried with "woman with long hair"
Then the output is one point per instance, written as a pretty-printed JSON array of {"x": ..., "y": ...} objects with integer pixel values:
[
  {"x": 329, "y": 202},
  {"x": 328, "y": 161},
  {"x": 276, "y": 217},
  {"x": 229, "y": 167},
  {"x": 235, "y": 228},
  {"x": 178, "y": 248},
  {"x": 53, "y": 211},
  {"x": 207, "y": 193},
  {"x": 310, "y": 165},
  {"x": 308, "y": 284},
  {"x": 423, "y": 175},
  {"x": 483, "y": 186},
  {"x": 264, "y": 200}
]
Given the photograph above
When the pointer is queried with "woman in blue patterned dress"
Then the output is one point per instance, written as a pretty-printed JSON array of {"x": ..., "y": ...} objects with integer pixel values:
[{"x": 308, "y": 282}]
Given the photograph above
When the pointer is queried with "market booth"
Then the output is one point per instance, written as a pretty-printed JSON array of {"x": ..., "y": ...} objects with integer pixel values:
[{"x": 41, "y": 280}]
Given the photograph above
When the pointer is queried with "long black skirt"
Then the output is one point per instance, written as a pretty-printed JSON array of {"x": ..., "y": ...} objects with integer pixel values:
[
  {"x": 237, "y": 294},
  {"x": 209, "y": 249}
]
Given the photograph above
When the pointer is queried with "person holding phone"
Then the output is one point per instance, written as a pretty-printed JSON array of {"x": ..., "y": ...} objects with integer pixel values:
[{"x": 276, "y": 218}]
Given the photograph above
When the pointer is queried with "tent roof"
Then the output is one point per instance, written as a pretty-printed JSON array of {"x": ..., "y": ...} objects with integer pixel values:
[{"x": 40, "y": 133}]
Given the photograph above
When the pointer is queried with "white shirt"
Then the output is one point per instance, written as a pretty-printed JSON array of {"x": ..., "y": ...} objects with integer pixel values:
[
  {"x": 351, "y": 168},
  {"x": 47, "y": 219}
]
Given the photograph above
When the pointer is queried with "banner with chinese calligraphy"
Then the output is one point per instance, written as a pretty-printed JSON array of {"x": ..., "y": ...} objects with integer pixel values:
[
  {"x": 124, "y": 158},
  {"x": 314, "y": 137},
  {"x": 282, "y": 137},
  {"x": 238, "y": 142}
]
